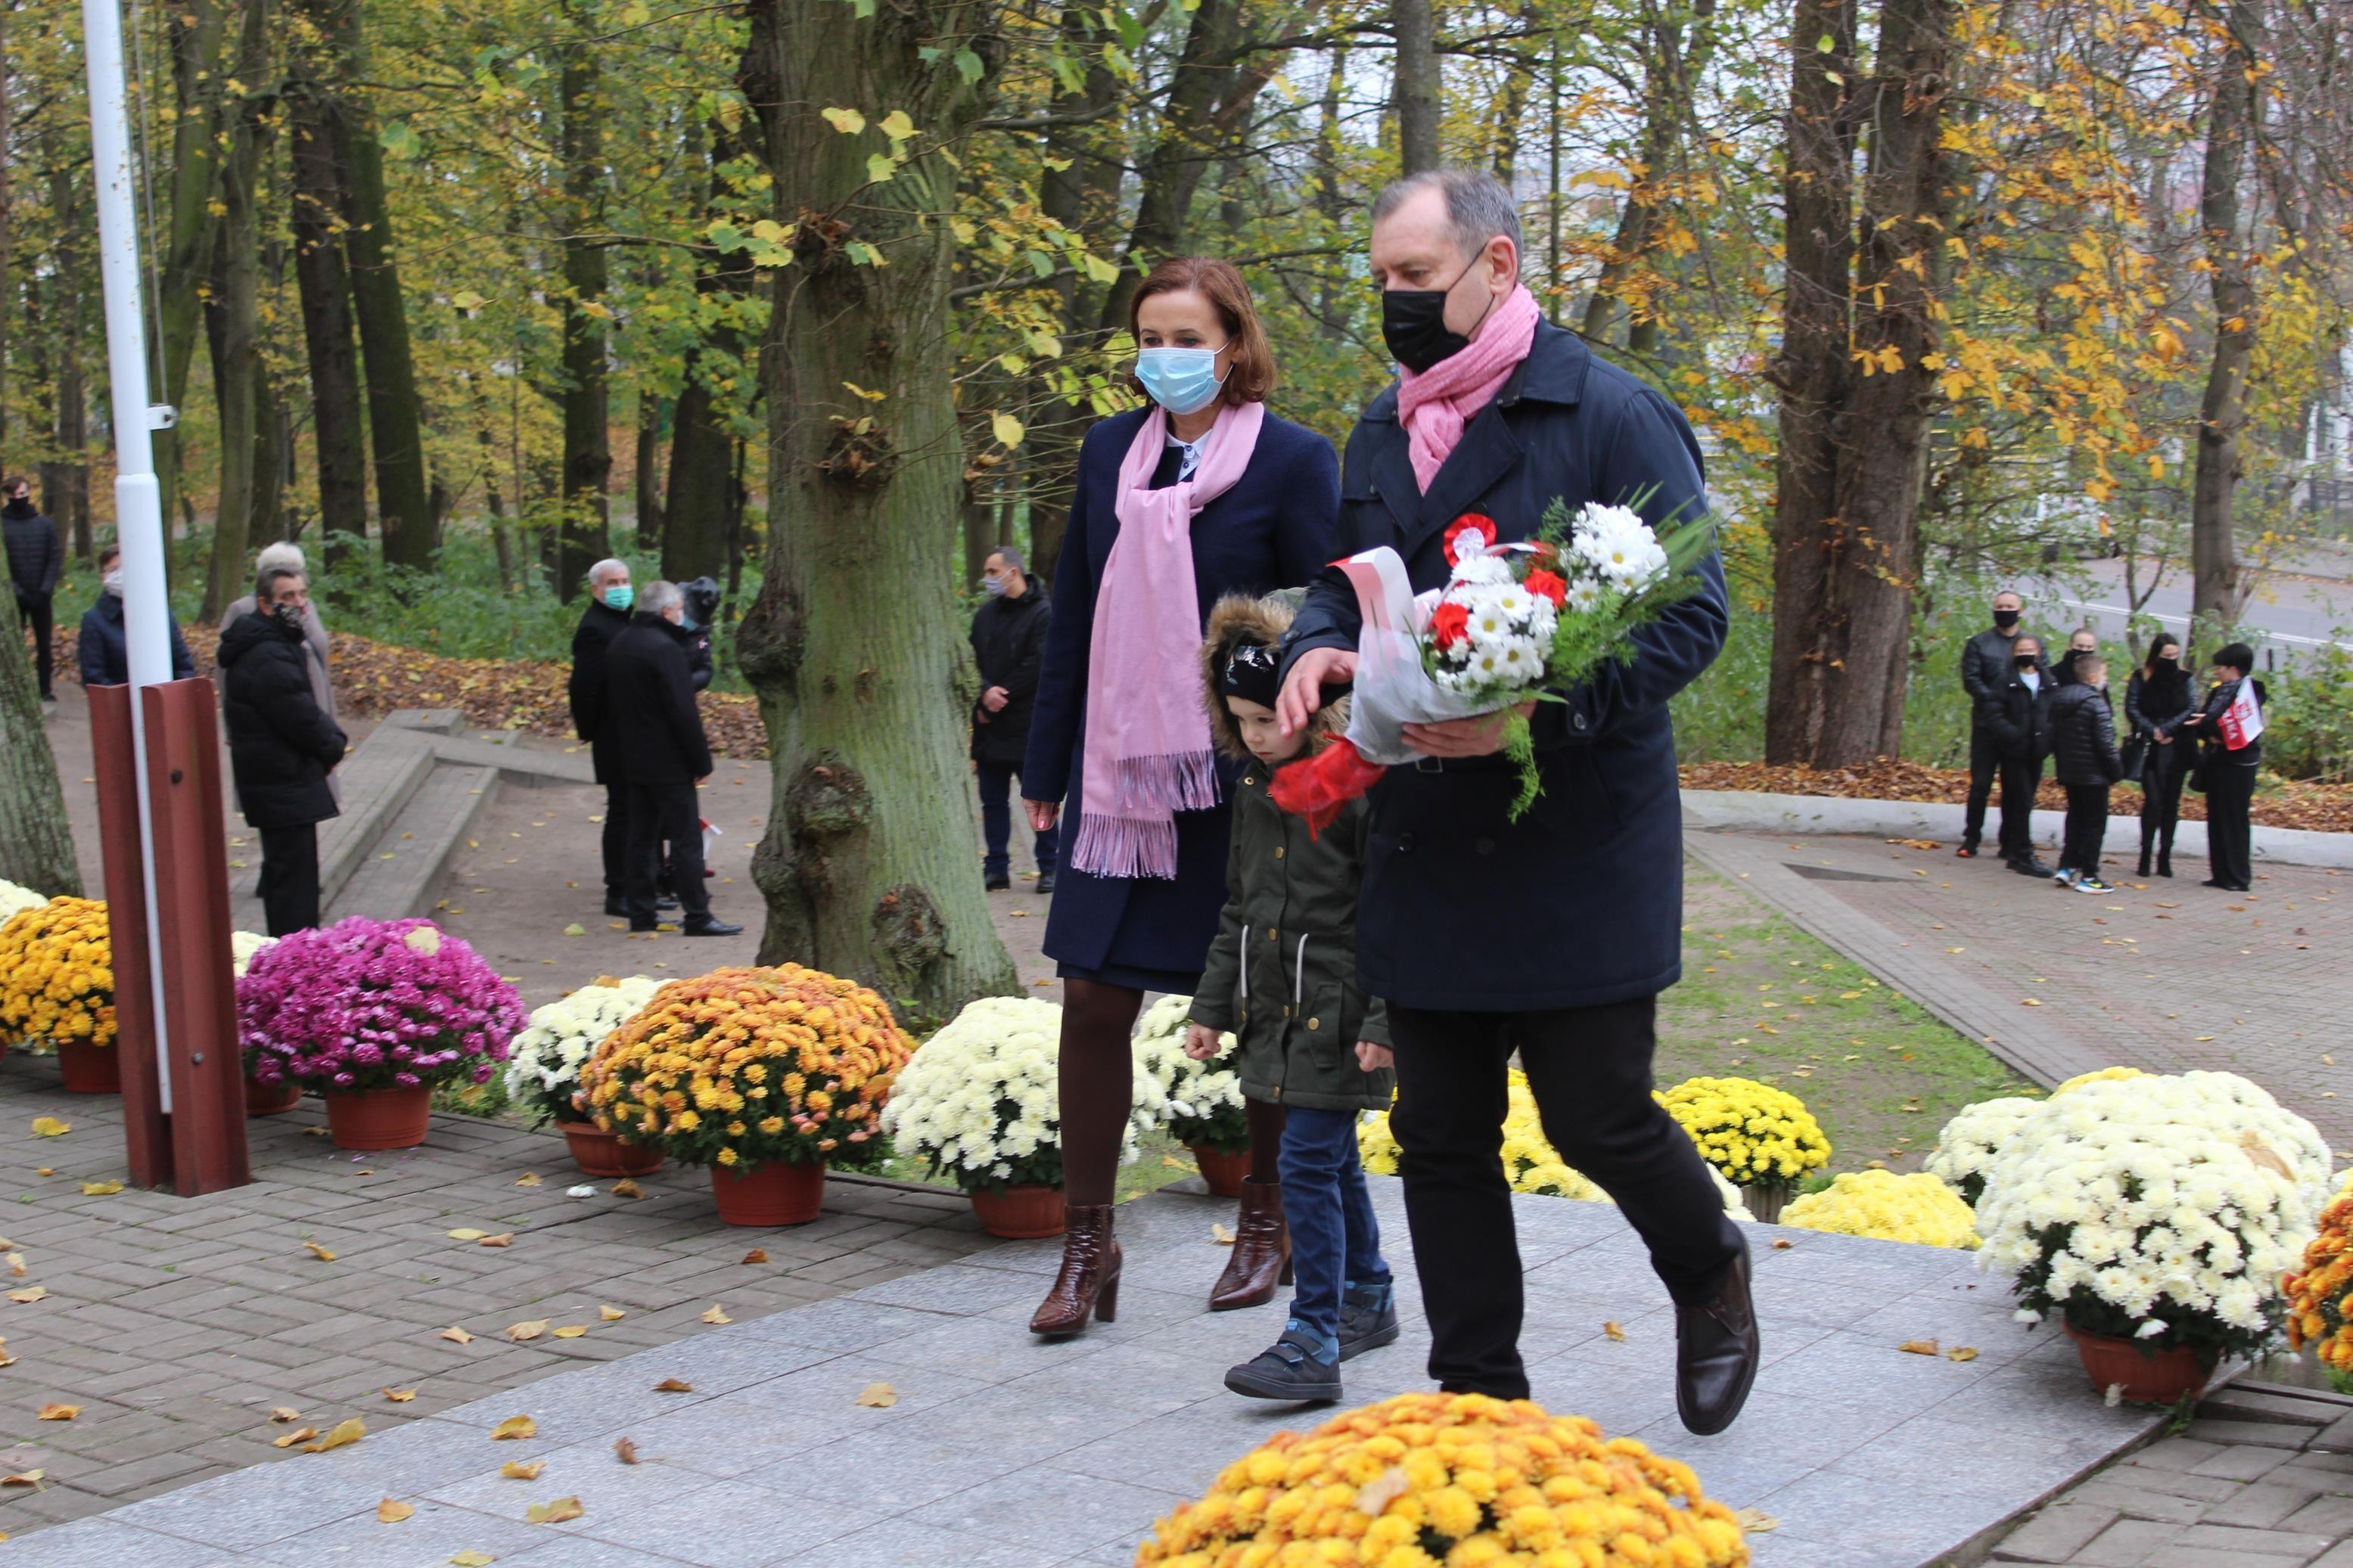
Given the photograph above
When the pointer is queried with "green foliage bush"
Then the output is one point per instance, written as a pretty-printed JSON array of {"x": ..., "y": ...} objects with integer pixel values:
[{"x": 2308, "y": 731}]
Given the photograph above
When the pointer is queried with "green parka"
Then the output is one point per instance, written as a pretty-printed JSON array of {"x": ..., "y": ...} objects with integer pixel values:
[{"x": 1282, "y": 973}]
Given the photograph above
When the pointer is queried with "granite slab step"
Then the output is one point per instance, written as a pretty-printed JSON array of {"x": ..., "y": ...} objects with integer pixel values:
[
  {"x": 401, "y": 875},
  {"x": 377, "y": 779}
]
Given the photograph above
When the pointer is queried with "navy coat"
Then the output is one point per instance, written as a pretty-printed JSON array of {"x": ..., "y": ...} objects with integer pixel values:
[
  {"x": 1579, "y": 903},
  {"x": 1272, "y": 530},
  {"x": 105, "y": 650}
]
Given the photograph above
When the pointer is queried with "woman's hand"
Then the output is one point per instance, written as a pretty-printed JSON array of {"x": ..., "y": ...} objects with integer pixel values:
[
  {"x": 2163, "y": 739},
  {"x": 1043, "y": 814},
  {"x": 1200, "y": 1042},
  {"x": 1372, "y": 1057},
  {"x": 1478, "y": 737}
]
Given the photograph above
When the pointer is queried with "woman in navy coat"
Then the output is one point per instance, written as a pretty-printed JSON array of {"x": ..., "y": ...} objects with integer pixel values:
[{"x": 1203, "y": 356}]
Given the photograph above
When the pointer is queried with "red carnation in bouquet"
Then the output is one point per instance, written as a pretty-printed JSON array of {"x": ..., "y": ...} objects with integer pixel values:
[{"x": 1449, "y": 625}]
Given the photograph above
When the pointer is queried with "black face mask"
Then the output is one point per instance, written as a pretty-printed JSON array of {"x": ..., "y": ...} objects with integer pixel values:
[
  {"x": 288, "y": 616},
  {"x": 2005, "y": 619},
  {"x": 1413, "y": 324},
  {"x": 2028, "y": 660}
]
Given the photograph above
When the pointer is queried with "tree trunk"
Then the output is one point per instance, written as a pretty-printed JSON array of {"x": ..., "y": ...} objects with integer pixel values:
[
  {"x": 236, "y": 311},
  {"x": 2222, "y": 412},
  {"x": 198, "y": 32},
  {"x": 324, "y": 285},
  {"x": 65, "y": 477},
  {"x": 867, "y": 866},
  {"x": 37, "y": 847},
  {"x": 695, "y": 540},
  {"x": 7, "y": 228},
  {"x": 1419, "y": 102},
  {"x": 1667, "y": 79},
  {"x": 585, "y": 535},
  {"x": 647, "y": 478}
]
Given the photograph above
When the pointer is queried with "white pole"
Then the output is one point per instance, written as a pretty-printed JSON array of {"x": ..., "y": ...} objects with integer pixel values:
[{"x": 138, "y": 501}]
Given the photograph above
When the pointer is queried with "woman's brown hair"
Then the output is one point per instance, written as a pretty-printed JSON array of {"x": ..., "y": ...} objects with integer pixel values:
[{"x": 1249, "y": 374}]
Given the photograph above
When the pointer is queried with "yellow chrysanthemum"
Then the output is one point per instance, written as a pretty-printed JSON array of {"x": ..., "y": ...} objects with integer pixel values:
[
  {"x": 1755, "y": 1134},
  {"x": 2103, "y": 1075},
  {"x": 56, "y": 974},
  {"x": 1916, "y": 1207}
]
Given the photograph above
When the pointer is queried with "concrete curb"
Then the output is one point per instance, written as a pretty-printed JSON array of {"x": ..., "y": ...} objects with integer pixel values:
[{"x": 1745, "y": 811}]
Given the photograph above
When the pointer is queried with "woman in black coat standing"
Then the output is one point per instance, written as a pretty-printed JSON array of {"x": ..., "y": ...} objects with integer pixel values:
[
  {"x": 2157, "y": 700},
  {"x": 1202, "y": 495},
  {"x": 2228, "y": 771},
  {"x": 282, "y": 746}
]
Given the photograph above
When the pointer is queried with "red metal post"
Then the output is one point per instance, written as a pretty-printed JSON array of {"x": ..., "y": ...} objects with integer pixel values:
[{"x": 146, "y": 1133}]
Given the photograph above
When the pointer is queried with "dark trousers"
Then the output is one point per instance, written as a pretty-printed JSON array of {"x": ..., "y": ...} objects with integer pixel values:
[
  {"x": 995, "y": 783},
  {"x": 2229, "y": 789},
  {"x": 2162, "y": 771},
  {"x": 1984, "y": 763},
  {"x": 289, "y": 878},
  {"x": 1590, "y": 1069},
  {"x": 616, "y": 842},
  {"x": 1335, "y": 1242},
  {"x": 2087, "y": 826},
  {"x": 659, "y": 813},
  {"x": 2020, "y": 778},
  {"x": 35, "y": 610}
]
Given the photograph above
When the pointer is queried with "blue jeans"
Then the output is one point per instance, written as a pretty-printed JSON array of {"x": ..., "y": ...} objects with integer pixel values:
[
  {"x": 1334, "y": 1240},
  {"x": 996, "y": 781}
]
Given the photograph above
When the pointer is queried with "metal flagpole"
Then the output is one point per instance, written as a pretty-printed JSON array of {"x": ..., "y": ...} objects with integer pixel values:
[{"x": 138, "y": 500}]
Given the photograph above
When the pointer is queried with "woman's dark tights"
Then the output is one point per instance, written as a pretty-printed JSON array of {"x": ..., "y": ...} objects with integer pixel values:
[{"x": 1097, "y": 1073}]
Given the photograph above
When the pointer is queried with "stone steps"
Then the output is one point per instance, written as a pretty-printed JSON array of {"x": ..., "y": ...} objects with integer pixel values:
[{"x": 402, "y": 875}]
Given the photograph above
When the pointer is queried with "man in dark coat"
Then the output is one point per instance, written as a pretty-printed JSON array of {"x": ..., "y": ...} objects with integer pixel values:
[
  {"x": 282, "y": 746},
  {"x": 1009, "y": 641},
  {"x": 660, "y": 755},
  {"x": 2016, "y": 714},
  {"x": 609, "y": 597},
  {"x": 36, "y": 559},
  {"x": 1985, "y": 665},
  {"x": 103, "y": 651},
  {"x": 1552, "y": 935}
]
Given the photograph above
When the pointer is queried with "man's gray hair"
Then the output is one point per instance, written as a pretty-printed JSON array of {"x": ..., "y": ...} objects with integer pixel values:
[
  {"x": 265, "y": 583},
  {"x": 604, "y": 569},
  {"x": 1478, "y": 206},
  {"x": 282, "y": 553},
  {"x": 1011, "y": 556},
  {"x": 660, "y": 598}
]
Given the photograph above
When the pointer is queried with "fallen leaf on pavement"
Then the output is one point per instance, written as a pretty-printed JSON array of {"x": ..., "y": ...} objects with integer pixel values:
[
  {"x": 1919, "y": 1347},
  {"x": 319, "y": 1252},
  {"x": 300, "y": 1435},
  {"x": 627, "y": 1188},
  {"x": 1375, "y": 1496},
  {"x": 59, "y": 1412},
  {"x": 878, "y": 1396},
  {"x": 51, "y": 1127},
  {"x": 6, "y": 1359},
  {"x": 399, "y": 1395},
  {"x": 391, "y": 1510},
  {"x": 468, "y": 1234},
  {"x": 345, "y": 1433},
  {"x": 1961, "y": 1353},
  {"x": 528, "y": 1331},
  {"x": 505, "y": 1238},
  {"x": 101, "y": 1189},
  {"x": 528, "y": 1179},
  {"x": 575, "y": 929},
  {"x": 757, "y": 1255},
  {"x": 555, "y": 1512},
  {"x": 27, "y": 1295},
  {"x": 674, "y": 1385},
  {"x": 472, "y": 1559},
  {"x": 625, "y": 1450},
  {"x": 1755, "y": 1521},
  {"x": 523, "y": 1469},
  {"x": 514, "y": 1426},
  {"x": 2028, "y": 1002},
  {"x": 458, "y": 1335},
  {"x": 1783, "y": 1246},
  {"x": 717, "y": 1314},
  {"x": 1222, "y": 1235},
  {"x": 571, "y": 1331},
  {"x": 611, "y": 1314},
  {"x": 1615, "y": 1330},
  {"x": 22, "y": 1479},
  {"x": 284, "y": 1412}
]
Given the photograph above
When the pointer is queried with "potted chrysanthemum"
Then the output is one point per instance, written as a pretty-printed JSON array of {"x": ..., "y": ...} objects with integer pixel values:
[
  {"x": 1762, "y": 1139},
  {"x": 2320, "y": 1293},
  {"x": 57, "y": 988},
  {"x": 1201, "y": 1101},
  {"x": 981, "y": 1102},
  {"x": 1915, "y": 1207},
  {"x": 373, "y": 1016},
  {"x": 767, "y": 1076},
  {"x": 260, "y": 1098},
  {"x": 544, "y": 1071}
]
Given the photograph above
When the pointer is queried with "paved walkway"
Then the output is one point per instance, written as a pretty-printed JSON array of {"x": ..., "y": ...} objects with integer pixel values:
[
  {"x": 1001, "y": 1452},
  {"x": 2166, "y": 974}
]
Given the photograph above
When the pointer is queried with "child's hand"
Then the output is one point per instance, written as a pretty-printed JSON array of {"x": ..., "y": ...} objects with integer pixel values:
[
  {"x": 1200, "y": 1042},
  {"x": 1372, "y": 1057}
]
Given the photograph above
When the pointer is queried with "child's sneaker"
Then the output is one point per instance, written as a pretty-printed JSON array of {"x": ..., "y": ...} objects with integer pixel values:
[
  {"x": 2065, "y": 879},
  {"x": 1368, "y": 1319},
  {"x": 2093, "y": 885},
  {"x": 1296, "y": 1367}
]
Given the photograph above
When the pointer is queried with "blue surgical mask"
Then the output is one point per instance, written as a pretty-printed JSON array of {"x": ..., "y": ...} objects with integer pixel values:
[
  {"x": 619, "y": 596},
  {"x": 1182, "y": 380}
]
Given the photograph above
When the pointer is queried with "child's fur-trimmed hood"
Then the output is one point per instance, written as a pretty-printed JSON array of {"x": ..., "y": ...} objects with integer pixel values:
[{"x": 1239, "y": 619}]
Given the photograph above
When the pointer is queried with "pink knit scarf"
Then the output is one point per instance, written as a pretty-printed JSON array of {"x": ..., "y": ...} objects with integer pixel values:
[
  {"x": 1148, "y": 753},
  {"x": 1436, "y": 402}
]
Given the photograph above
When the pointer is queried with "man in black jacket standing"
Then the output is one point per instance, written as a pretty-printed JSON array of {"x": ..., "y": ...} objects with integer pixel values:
[
  {"x": 1008, "y": 639},
  {"x": 1986, "y": 665},
  {"x": 661, "y": 754},
  {"x": 282, "y": 746},
  {"x": 2016, "y": 714},
  {"x": 609, "y": 597},
  {"x": 36, "y": 559}
]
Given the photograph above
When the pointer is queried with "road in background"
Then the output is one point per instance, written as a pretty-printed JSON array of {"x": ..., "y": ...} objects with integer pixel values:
[{"x": 2303, "y": 601}]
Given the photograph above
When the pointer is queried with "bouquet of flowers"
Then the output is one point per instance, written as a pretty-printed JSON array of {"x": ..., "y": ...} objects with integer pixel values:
[
  {"x": 1754, "y": 1135},
  {"x": 370, "y": 1004},
  {"x": 57, "y": 974},
  {"x": 1201, "y": 1101},
  {"x": 1515, "y": 623},
  {"x": 740, "y": 1067},
  {"x": 545, "y": 1061},
  {"x": 2320, "y": 1294},
  {"x": 1888, "y": 1208}
]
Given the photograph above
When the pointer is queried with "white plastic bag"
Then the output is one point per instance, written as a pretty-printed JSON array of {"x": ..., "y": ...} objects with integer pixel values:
[{"x": 1392, "y": 688}]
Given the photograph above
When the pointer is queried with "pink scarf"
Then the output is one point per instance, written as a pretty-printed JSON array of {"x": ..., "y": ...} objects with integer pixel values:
[
  {"x": 1436, "y": 402},
  {"x": 1148, "y": 755}
]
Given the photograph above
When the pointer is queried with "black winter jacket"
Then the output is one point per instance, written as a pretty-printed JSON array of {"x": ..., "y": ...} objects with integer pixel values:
[
  {"x": 599, "y": 625},
  {"x": 649, "y": 712},
  {"x": 1986, "y": 664},
  {"x": 2218, "y": 752},
  {"x": 280, "y": 745},
  {"x": 37, "y": 557},
  {"x": 2020, "y": 719},
  {"x": 2158, "y": 707},
  {"x": 1008, "y": 644},
  {"x": 2084, "y": 737},
  {"x": 104, "y": 653}
]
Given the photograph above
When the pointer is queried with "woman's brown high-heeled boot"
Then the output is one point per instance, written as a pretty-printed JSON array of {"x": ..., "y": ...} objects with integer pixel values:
[
  {"x": 1089, "y": 1282},
  {"x": 1261, "y": 1255}
]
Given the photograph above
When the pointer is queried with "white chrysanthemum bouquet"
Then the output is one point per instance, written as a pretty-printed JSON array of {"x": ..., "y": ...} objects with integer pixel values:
[
  {"x": 1200, "y": 1103},
  {"x": 544, "y": 1066},
  {"x": 1515, "y": 623}
]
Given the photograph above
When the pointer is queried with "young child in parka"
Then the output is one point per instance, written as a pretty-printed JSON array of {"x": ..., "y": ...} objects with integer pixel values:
[{"x": 1281, "y": 974}]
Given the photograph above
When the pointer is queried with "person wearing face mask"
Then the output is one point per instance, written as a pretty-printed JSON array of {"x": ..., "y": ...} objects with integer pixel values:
[
  {"x": 1549, "y": 936},
  {"x": 2231, "y": 723},
  {"x": 1986, "y": 664},
  {"x": 282, "y": 746},
  {"x": 606, "y": 616},
  {"x": 36, "y": 559},
  {"x": 1199, "y": 494},
  {"x": 316, "y": 647},
  {"x": 2083, "y": 643},
  {"x": 1009, "y": 642},
  {"x": 661, "y": 757},
  {"x": 102, "y": 651},
  {"x": 2157, "y": 702},
  {"x": 2017, "y": 714}
]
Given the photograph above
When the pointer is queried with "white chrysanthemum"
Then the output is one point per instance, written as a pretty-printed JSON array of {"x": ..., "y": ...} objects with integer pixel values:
[
  {"x": 985, "y": 1091},
  {"x": 15, "y": 900},
  {"x": 546, "y": 1055},
  {"x": 1482, "y": 569},
  {"x": 1187, "y": 1089},
  {"x": 242, "y": 945}
]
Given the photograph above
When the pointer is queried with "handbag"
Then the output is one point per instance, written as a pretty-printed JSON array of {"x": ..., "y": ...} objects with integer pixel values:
[
  {"x": 2136, "y": 753},
  {"x": 2197, "y": 769}
]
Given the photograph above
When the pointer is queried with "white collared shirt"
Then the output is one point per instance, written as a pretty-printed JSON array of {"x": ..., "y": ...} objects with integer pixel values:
[{"x": 1192, "y": 458}]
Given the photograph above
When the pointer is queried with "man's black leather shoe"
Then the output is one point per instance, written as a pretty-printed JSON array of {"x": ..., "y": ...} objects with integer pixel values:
[
  {"x": 710, "y": 928},
  {"x": 996, "y": 884},
  {"x": 1716, "y": 1351},
  {"x": 1045, "y": 882}
]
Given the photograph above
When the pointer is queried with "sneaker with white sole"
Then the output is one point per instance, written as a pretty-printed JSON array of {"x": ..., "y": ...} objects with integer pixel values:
[
  {"x": 2093, "y": 885},
  {"x": 2064, "y": 877}
]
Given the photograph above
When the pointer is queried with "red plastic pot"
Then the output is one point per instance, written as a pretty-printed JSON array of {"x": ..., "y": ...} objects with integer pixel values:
[
  {"x": 2148, "y": 1376},
  {"x": 379, "y": 1118},
  {"x": 271, "y": 1098},
  {"x": 88, "y": 1068},
  {"x": 775, "y": 1194},
  {"x": 599, "y": 1153},
  {"x": 1225, "y": 1172},
  {"x": 1021, "y": 1214}
]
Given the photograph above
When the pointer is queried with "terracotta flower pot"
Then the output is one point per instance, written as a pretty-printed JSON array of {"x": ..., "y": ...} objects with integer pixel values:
[
  {"x": 89, "y": 1069},
  {"x": 1766, "y": 1203},
  {"x": 271, "y": 1098},
  {"x": 775, "y": 1194},
  {"x": 379, "y": 1118},
  {"x": 1021, "y": 1214},
  {"x": 1225, "y": 1172},
  {"x": 2149, "y": 1376},
  {"x": 601, "y": 1153}
]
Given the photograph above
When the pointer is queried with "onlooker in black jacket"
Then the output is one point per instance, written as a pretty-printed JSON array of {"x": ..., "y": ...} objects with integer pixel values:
[
  {"x": 2083, "y": 750},
  {"x": 2228, "y": 775},
  {"x": 700, "y": 625},
  {"x": 280, "y": 746},
  {"x": 36, "y": 559},
  {"x": 103, "y": 652},
  {"x": 1985, "y": 666},
  {"x": 2016, "y": 715},
  {"x": 609, "y": 596},
  {"x": 661, "y": 753},
  {"x": 1008, "y": 640},
  {"x": 2157, "y": 698},
  {"x": 2081, "y": 643}
]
